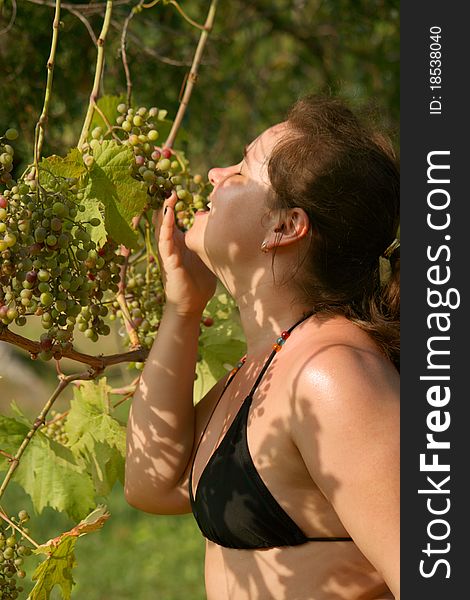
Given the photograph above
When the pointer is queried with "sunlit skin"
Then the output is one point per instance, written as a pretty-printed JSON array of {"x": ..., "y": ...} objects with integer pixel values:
[{"x": 323, "y": 428}]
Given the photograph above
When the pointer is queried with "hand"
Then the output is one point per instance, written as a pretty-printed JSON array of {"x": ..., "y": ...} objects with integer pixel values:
[{"x": 188, "y": 283}]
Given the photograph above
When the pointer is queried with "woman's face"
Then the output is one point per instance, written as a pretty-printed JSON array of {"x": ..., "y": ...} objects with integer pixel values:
[{"x": 234, "y": 228}]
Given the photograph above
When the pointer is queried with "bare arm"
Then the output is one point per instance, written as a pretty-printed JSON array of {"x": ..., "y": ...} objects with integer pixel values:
[
  {"x": 161, "y": 427},
  {"x": 160, "y": 432}
]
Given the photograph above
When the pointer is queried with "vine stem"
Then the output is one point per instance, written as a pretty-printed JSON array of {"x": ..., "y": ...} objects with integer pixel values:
[
  {"x": 40, "y": 126},
  {"x": 98, "y": 74},
  {"x": 135, "y": 9},
  {"x": 95, "y": 362},
  {"x": 185, "y": 16},
  {"x": 40, "y": 419},
  {"x": 5, "y": 517},
  {"x": 192, "y": 76}
]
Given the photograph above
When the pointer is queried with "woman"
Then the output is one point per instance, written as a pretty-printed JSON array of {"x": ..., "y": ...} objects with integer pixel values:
[{"x": 291, "y": 462}]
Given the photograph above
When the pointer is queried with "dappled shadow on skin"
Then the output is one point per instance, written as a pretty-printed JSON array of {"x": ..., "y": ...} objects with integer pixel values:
[{"x": 317, "y": 570}]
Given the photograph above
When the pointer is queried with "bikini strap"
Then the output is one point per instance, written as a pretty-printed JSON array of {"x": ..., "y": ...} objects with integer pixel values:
[
  {"x": 273, "y": 354},
  {"x": 228, "y": 382}
]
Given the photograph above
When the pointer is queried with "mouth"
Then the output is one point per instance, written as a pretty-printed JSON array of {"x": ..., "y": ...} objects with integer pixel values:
[{"x": 206, "y": 210}]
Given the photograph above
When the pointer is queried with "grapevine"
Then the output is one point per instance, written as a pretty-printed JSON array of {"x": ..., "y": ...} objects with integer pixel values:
[
  {"x": 13, "y": 551},
  {"x": 78, "y": 256}
]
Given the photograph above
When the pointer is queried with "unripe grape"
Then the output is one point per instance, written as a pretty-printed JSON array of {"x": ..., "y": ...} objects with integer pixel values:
[
  {"x": 138, "y": 121},
  {"x": 127, "y": 126},
  {"x": 96, "y": 133},
  {"x": 122, "y": 108},
  {"x": 6, "y": 159},
  {"x": 164, "y": 164},
  {"x": 152, "y": 135},
  {"x": 11, "y": 134},
  {"x": 12, "y": 313},
  {"x": 46, "y": 299},
  {"x": 59, "y": 209},
  {"x": 43, "y": 275},
  {"x": 148, "y": 176}
]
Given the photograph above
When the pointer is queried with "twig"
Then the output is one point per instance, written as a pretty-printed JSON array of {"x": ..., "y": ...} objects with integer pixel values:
[
  {"x": 40, "y": 419},
  {"x": 125, "y": 64},
  {"x": 98, "y": 74},
  {"x": 121, "y": 293},
  {"x": 151, "y": 52},
  {"x": 95, "y": 362},
  {"x": 85, "y": 21},
  {"x": 91, "y": 8},
  {"x": 4, "y": 516},
  {"x": 40, "y": 126},
  {"x": 110, "y": 127},
  {"x": 127, "y": 391},
  {"x": 187, "y": 18},
  {"x": 6, "y": 455},
  {"x": 12, "y": 18},
  {"x": 192, "y": 77}
]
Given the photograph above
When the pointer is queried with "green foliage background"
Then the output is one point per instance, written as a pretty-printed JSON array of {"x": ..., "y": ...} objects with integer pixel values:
[{"x": 261, "y": 56}]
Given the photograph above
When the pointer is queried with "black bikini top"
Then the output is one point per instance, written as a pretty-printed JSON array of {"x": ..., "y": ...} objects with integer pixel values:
[{"x": 233, "y": 507}]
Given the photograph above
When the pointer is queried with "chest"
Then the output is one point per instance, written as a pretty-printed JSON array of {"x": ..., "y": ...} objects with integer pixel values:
[{"x": 260, "y": 428}]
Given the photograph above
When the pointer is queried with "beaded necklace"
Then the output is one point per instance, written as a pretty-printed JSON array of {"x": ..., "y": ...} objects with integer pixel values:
[{"x": 277, "y": 346}]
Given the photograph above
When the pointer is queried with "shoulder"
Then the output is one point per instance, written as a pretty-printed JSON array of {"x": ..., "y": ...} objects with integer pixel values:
[
  {"x": 342, "y": 368},
  {"x": 346, "y": 392}
]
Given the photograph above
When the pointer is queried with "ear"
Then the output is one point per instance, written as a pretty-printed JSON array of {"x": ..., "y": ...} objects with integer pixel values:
[{"x": 288, "y": 228}]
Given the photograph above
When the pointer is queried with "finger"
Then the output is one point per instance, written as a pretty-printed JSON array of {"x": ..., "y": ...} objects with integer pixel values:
[
  {"x": 169, "y": 233},
  {"x": 158, "y": 215}
]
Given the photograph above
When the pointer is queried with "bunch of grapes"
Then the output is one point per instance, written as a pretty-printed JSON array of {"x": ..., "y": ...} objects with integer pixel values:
[
  {"x": 12, "y": 553},
  {"x": 145, "y": 298},
  {"x": 6, "y": 155},
  {"x": 162, "y": 169},
  {"x": 49, "y": 264},
  {"x": 54, "y": 428}
]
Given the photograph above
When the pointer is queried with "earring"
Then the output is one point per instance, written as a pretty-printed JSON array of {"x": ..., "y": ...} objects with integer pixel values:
[{"x": 264, "y": 247}]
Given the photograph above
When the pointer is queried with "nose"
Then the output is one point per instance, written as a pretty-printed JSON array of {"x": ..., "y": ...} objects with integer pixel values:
[{"x": 215, "y": 175}]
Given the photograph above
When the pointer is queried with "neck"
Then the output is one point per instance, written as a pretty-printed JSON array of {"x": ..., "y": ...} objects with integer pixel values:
[{"x": 265, "y": 312}]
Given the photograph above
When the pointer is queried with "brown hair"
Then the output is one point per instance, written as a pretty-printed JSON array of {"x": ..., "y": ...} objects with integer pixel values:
[{"x": 346, "y": 178}]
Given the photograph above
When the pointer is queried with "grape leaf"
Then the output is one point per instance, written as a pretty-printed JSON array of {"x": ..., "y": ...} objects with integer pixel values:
[
  {"x": 53, "y": 167},
  {"x": 110, "y": 183},
  {"x": 221, "y": 345},
  {"x": 48, "y": 471},
  {"x": 56, "y": 569},
  {"x": 108, "y": 106},
  {"x": 92, "y": 210},
  {"x": 96, "y": 436}
]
